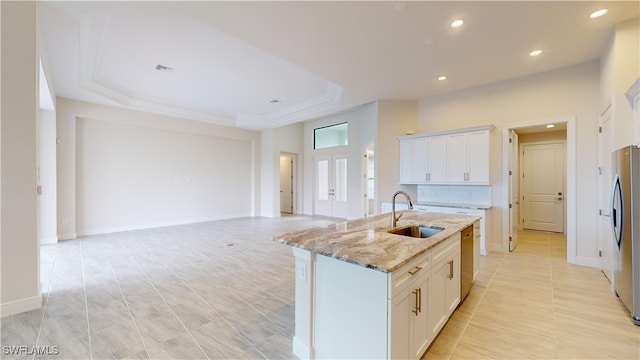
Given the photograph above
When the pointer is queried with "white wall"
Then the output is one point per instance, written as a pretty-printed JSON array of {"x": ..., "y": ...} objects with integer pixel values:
[
  {"x": 572, "y": 91},
  {"x": 619, "y": 69},
  {"x": 120, "y": 169},
  {"x": 19, "y": 267},
  {"x": 395, "y": 118},
  {"x": 362, "y": 129}
]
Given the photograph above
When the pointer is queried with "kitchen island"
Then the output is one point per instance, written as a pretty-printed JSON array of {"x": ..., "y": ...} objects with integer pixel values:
[{"x": 363, "y": 292}]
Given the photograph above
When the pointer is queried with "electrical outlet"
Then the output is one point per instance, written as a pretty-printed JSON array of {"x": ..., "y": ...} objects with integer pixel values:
[{"x": 302, "y": 272}]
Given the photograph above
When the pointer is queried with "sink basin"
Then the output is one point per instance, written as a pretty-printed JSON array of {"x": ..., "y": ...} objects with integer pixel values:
[{"x": 417, "y": 231}]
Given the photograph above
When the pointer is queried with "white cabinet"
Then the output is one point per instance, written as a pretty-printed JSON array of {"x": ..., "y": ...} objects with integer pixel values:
[
  {"x": 445, "y": 284},
  {"x": 410, "y": 332},
  {"x": 468, "y": 158},
  {"x": 413, "y": 160},
  {"x": 437, "y": 156},
  {"x": 451, "y": 157},
  {"x": 345, "y": 310},
  {"x": 422, "y": 160}
]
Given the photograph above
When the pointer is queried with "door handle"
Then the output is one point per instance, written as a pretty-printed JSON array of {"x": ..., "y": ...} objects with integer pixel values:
[{"x": 450, "y": 275}]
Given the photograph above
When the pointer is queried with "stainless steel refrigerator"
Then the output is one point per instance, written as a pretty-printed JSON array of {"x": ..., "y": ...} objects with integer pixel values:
[{"x": 625, "y": 222}]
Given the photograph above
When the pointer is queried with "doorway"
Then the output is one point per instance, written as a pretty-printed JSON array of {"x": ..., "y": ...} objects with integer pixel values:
[
  {"x": 287, "y": 186},
  {"x": 565, "y": 131}
]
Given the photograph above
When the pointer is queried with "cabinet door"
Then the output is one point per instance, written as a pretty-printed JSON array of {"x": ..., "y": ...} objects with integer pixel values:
[
  {"x": 421, "y": 330},
  {"x": 445, "y": 289},
  {"x": 419, "y": 148},
  {"x": 410, "y": 327},
  {"x": 437, "y": 300},
  {"x": 478, "y": 157},
  {"x": 452, "y": 282},
  {"x": 456, "y": 158},
  {"x": 437, "y": 153},
  {"x": 402, "y": 325},
  {"x": 406, "y": 161}
]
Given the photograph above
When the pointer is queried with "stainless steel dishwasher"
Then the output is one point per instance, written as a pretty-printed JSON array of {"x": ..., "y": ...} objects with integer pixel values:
[{"x": 466, "y": 261}]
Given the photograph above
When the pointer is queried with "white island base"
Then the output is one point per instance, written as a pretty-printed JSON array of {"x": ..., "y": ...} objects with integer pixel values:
[{"x": 345, "y": 310}]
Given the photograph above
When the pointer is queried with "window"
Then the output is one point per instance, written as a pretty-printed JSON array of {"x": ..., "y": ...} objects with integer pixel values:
[{"x": 330, "y": 136}]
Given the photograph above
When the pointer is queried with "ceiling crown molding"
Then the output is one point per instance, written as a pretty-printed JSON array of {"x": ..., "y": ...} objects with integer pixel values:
[{"x": 93, "y": 37}]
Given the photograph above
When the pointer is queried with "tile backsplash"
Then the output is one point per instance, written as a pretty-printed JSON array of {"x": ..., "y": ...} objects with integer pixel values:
[{"x": 455, "y": 194}]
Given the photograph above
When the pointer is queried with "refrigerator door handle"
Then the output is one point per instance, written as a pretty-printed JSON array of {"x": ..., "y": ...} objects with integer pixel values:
[{"x": 616, "y": 194}]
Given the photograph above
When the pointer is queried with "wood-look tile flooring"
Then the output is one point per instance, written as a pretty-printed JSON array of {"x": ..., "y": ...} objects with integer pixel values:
[
  {"x": 531, "y": 304},
  {"x": 224, "y": 290}
]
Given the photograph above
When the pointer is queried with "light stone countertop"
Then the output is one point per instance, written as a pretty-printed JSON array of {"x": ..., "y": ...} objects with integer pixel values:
[
  {"x": 367, "y": 243},
  {"x": 461, "y": 206}
]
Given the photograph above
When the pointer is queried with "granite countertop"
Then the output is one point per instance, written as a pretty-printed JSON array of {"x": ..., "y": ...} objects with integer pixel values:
[
  {"x": 461, "y": 206},
  {"x": 367, "y": 243}
]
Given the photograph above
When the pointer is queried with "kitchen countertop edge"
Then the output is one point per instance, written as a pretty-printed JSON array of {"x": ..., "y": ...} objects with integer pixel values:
[{"x": 355, "y": 241}]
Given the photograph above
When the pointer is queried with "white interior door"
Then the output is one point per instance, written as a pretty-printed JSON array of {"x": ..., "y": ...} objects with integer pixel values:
[
  {"x": 604, "y": 195},
  {"x": 543, "y": 186},
  {"x": 514, "y": 191},
  {"x": 286, "y": 184},
  {"x": 331, "y": 186}
]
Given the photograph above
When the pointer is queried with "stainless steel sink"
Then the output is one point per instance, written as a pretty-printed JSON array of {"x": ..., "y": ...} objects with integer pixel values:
[{"x": 417, "y": 231}]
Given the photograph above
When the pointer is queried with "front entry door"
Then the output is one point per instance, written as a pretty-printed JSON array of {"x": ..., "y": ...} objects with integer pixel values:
[
  {"x": 543, "y": 186},
  {"x": 331, "y": 186}
]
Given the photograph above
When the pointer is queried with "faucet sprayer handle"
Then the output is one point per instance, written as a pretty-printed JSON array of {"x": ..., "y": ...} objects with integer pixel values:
[{"x": 410, "y": 205}]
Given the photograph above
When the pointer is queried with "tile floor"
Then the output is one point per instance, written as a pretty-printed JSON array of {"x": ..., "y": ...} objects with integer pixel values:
[
  {"x": 224, "y": 290},
  {"x": 531, "y": 304}
]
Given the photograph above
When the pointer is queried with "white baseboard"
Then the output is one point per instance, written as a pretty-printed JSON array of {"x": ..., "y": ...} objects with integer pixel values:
[
  {"x": 20, "y": 306},
  {"x": 67, "y": 236},
  {"x": 49, "y": 240},
  {"x": 110, "y": 230},
  {"x": 301, "y": 350},
  {"x": 585, "y": 261}
]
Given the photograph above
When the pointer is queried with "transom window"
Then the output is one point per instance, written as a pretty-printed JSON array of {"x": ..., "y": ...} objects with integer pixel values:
[{"x": 331, "y": 136}]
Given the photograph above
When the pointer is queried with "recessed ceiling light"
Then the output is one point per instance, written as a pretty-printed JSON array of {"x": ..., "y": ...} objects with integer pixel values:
[
  {"x": 457, "y": 23},
  {"x": 550, "y": 126},
  {"x": 442, "y": 77},
  {"x": 598, "y": 13},
  {"x": 535, "y": 53}
]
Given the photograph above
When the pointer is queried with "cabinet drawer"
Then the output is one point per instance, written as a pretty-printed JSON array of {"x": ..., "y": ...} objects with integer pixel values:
[
  {"x": 405, "y": 275},
  {"x": 451, "y": 244}
]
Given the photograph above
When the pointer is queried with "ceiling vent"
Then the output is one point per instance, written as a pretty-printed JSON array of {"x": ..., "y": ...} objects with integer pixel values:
[{"x": 163, "y": 68}]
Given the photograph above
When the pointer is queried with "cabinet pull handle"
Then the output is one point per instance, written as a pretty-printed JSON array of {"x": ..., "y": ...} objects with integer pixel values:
[
  {"x": 450, "y": 276},
  {"x": 415, "y": 270},
  {"x": 419, "y": 300},
  {"x": 416, "y": 308}
]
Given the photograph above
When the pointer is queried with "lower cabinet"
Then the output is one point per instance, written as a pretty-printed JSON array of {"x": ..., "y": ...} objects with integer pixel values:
[
  {"x": 445, "y": 282},
  {"x": 345, "y": 310},
  {"x": 420, "y": 305},
  {"x": 410, "y": 333}
]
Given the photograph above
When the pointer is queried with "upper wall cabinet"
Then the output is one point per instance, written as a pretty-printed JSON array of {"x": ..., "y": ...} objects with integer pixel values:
[
  {"x": 447, "y": 157},
  {"x": 422, "y": 160}
]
